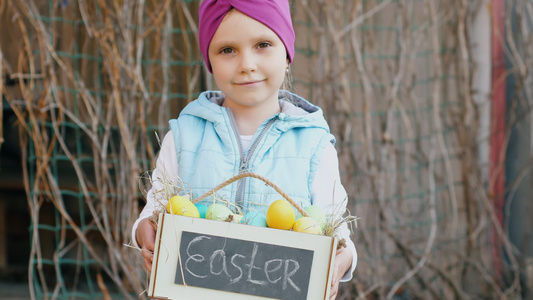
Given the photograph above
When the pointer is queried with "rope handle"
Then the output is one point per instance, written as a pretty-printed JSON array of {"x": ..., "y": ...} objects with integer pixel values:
[{"x": 251, "y": 174}]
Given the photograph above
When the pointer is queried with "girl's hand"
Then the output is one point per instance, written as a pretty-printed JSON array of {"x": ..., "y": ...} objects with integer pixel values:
[
  {"x": 146, "y": 239},
  {"x": 343, "y": 262},
  {"x": 334, "y": 282}
]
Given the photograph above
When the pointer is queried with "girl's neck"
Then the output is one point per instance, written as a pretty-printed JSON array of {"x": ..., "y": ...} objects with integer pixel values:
[{"x": 249, "y": 118}]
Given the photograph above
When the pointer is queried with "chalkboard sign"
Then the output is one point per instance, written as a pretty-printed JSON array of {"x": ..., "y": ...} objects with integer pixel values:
[
  {"x": 199, "y": 259},
  {"x": 245, "y": 267}
]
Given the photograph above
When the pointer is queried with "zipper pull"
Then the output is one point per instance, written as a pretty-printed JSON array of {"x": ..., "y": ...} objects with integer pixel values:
[{"x": 244, "y": 166}]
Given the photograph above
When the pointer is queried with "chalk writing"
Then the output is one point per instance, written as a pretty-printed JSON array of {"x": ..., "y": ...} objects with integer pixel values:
[{"x": 242, "y": 266}]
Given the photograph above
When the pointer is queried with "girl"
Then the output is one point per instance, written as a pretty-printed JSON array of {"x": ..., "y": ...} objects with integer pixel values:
[{"x": 250, "y": 125}]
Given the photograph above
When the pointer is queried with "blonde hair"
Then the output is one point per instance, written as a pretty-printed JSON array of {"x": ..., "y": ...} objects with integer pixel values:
[{"x": 287, "y": 81}]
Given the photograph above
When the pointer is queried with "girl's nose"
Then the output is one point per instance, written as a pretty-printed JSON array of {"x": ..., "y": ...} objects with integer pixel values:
[{"x": 248, "y": 62}]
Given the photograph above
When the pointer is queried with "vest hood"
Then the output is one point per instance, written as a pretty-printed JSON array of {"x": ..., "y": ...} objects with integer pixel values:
[{"x": 295, "y": 111}]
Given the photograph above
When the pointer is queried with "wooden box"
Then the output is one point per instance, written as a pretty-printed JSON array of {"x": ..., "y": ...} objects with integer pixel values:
[{"x": 223, "y": 260}]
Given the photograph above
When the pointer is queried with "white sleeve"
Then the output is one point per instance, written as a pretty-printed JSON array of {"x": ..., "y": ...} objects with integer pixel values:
[
  {"x": 166, "y": 168},
  {"x": 328, "y": 192}
]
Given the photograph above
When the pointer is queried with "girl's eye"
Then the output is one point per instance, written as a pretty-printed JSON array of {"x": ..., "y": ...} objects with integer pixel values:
[
  {"x": 226, "y": 51},
  {"x": 263, "y": 45}
]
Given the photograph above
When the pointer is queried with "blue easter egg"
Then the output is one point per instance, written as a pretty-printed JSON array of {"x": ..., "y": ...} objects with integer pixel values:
[
  {"x": 202, "y": 209},
  {"x": 254, "y": 218}
]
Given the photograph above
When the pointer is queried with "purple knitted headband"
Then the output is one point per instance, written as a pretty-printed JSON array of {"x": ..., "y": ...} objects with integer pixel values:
[{"x": 275, "y": 14}]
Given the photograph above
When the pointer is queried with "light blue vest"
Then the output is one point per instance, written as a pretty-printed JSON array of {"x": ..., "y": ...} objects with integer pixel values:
[{"x": 286, "y": 149}]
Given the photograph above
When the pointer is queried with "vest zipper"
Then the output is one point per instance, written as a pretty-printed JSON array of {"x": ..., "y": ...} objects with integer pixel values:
[{"x": 245, "y": 157}]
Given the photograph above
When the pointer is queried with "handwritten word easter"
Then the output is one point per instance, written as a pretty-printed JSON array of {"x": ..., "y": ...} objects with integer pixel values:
[{"x": 242, "y": 266}]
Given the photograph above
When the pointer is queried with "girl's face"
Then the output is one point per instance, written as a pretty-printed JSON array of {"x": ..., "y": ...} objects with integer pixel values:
[{"x": 249, "y": 62}]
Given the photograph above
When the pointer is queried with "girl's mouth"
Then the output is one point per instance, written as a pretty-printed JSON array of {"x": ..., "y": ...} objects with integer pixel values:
[{"x": 249, "y": 83}]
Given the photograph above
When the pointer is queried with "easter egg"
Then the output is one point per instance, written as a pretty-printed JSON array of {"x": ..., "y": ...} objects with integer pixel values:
[
  {"x": 202, "y": 209},
  {"x": 316, "y": 212},
  {"x": 307, "y": 225},
  {"x": 254, "y": 218},
  {"x": 218, "y": 212},
  {"x": 180, "y": 205},
  {"x": 280, "y": 215}
]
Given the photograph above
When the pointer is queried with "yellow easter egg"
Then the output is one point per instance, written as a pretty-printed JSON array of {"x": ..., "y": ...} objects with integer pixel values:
[
  {"x": 280, "y": 215},
  {"x": 180, "y": 205},
  {"x": 316, "y": 212},
  {"x": 307, "y": 225}
]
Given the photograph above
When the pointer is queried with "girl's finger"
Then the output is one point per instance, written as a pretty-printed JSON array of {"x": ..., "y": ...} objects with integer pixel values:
[
  {"x": 334, "y": 283},
  {"x": 146, "y": 254},
  {"x": 148, "y": 258},
  {"x": 148, "y": 264},
  {"x": 333, "y": 293}
]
